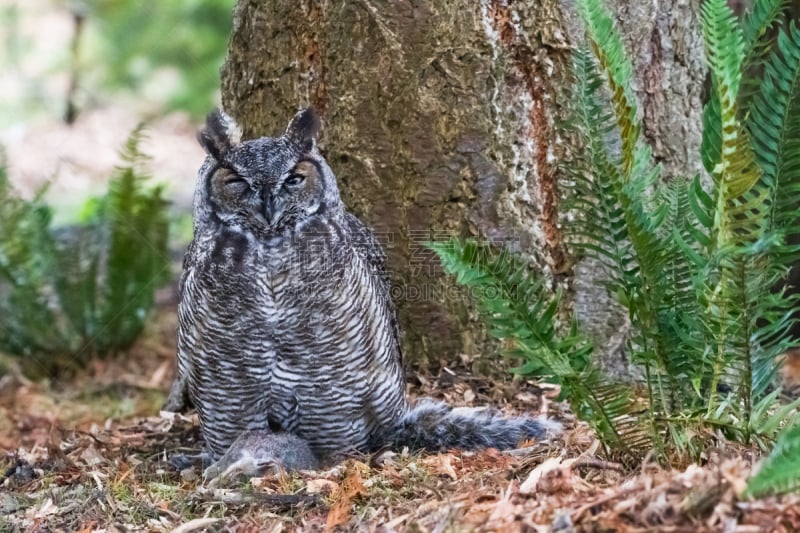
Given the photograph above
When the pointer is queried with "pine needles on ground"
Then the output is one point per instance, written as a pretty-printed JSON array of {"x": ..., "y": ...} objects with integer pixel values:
[
  {"x": 67, "y": 294},
  {"x": 693, "y": 261}
]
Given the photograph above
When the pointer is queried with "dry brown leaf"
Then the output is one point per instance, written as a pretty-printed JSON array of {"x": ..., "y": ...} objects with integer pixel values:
[
  {"x": 194, "y": 525},
  {"x": 91, "y": 456},
  {"x": 318, "y": 486},
  {"x": 504, "y": 511},
  {"x": 88, "y": 528},
  {"x": 482, "y": 461},
  {"x": 351, "y": 487},
  {"x": 469, "y": 396},
  {"x": 442, "y": 465},
  {"x": 159, "y": 374},
  {"x": 733, "y": 473},
  {"x": 46, "y": 509},
  {"x": 531, "y": 484}
]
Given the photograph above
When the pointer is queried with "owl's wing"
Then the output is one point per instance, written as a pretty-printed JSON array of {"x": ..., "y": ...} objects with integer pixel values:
[
  {"x": 370, "y": 251},
  {"x": 178, "y": 399},
  {"x": 368, "y": 248},
  {"x": 188, "y": 259}
]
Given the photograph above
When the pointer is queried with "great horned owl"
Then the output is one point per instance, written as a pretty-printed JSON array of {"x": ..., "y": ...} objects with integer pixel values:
[{"x": 286, "y": 322}]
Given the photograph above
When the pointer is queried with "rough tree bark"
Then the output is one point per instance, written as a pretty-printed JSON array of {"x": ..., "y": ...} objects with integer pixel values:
[{"x": 440, "y": 118}]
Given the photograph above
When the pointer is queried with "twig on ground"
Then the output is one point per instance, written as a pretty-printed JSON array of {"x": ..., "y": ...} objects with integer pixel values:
[
  {"x": 279, "y": 501},
  {"x": 528, "y": 450},
  {"x": 578, "y": 514},
  {"x": 197, "y": 523},
  {"x": 593, "y": 462}
]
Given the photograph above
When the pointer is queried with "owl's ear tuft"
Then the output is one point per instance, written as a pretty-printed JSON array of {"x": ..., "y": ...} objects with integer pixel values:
[
  {"x": 220, "y": 134},
  {"x": 303, "y": 128}
]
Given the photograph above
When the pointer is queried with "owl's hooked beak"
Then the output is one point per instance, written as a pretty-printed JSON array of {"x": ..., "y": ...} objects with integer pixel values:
[{"x": 273, "y": 209}]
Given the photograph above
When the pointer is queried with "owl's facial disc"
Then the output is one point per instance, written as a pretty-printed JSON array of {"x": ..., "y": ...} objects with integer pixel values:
[{"x": 268, "y": 185}]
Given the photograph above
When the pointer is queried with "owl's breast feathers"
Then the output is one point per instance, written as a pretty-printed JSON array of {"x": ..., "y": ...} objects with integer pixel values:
[{"x": 294, "y": 330}]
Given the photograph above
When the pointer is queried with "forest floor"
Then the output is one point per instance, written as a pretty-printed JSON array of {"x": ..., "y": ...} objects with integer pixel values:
[{"x": 91, "y": 453}]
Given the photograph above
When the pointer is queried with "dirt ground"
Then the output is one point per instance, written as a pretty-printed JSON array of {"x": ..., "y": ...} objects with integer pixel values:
[{"x": 91, "y": 453}]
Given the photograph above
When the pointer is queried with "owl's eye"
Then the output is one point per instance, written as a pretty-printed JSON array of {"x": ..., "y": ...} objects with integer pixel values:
[
  {"x": 236, "y": 180},
  {"x": 294, "y": 180},
  {"x": 236, "y": 184}
]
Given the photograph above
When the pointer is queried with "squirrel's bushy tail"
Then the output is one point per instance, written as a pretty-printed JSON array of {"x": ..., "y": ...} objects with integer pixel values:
[{"x": 435, "y": 426}]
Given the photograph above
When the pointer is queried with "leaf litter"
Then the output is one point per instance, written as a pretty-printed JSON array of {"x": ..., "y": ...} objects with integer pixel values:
[{"x": 92, "y": 454}]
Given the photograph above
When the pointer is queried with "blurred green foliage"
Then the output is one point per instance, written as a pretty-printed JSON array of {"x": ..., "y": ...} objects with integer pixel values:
[
  {"x": 162, "y": 56},
  {"x": 137, "y": 40},
  {"x": 71, "y": 293}
]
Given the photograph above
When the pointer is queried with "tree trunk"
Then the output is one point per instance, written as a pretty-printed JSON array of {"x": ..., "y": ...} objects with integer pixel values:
[{"x": 440, "y": 119}]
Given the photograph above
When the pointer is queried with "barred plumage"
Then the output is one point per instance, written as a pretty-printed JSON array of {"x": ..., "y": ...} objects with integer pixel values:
[{"x": 286, "y": 322}]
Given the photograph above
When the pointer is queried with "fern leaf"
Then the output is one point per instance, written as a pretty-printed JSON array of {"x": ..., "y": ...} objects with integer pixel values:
[
  {"x": 521, "y": 311},
  {"x": 780, "y": 470},
  {"x": 137, "y": 254},
  {"x": 762, "y": 15},
  {"x": 711, "y": 143},
  {"x": 70, "y": 293},
  {"x": 774, "y": 126},
  {"x": 725, "y": 49},
  {"x": 758, "y": 27},
  {"x": 610, "y": 52},
  {"x": 619, "y": 419},
  {"x": 735, "y": 171},
  {"x": 30, "y": 324},
  {"x": 619, "y": 224},
  {"x": 516, "y": 304}
]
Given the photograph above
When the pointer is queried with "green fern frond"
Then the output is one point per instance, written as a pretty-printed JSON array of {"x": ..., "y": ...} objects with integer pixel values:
[
  {"x": 773, "y": 124},
  {"x": 632, "y": 182},
  {"x": 780, "y": 470},
  {"x": 613, "y": 411},
  {"x": 67, "y": 294},
  {"x": 762, "y": 15},
  {"x": 751, "y": 214},
  {"x": 711, "y": 143},
  {"x": 735, "y": 171},
  {"x": 610, "y": 52},
  {"x": 522, "y": 312},
  {"x": 137, "y": 254},
  {"x": 612, "y": 224},
  {"x": 599, "y": 231},
  {"x": 619, "y": 220},
  {"x": 774, "y": 127},
  {"x": 740, "y": 205},
  {"x": 683, "y": 247},
  {"x": 620, "y": 223},
  {"x": 517, "y": 306},
  {"x": 724, "y": 49},
  {"x": 766, "y": 420},
  {"x": 758, "y": 27},
  {"x": 29, "y": 324}
]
